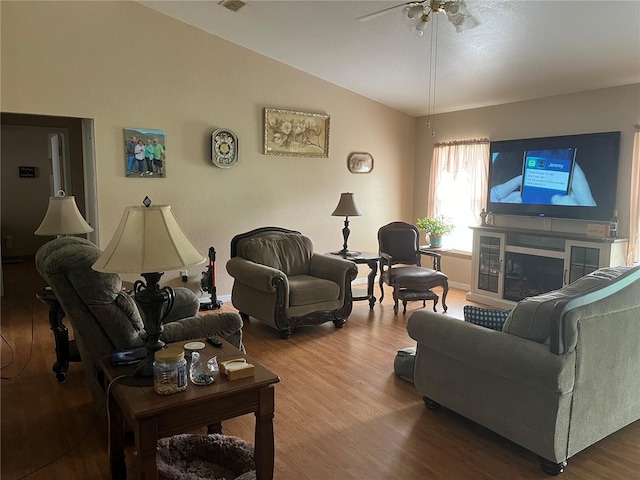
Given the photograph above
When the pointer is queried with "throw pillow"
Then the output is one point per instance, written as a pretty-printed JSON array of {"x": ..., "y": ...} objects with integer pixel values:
[{"x": 485, "y": 317}]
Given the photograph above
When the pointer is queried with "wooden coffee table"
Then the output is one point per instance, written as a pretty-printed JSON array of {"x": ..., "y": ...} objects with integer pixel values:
[{"x": 153, "y": 416}]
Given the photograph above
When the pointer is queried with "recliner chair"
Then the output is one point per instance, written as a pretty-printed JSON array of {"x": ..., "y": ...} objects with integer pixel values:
[
  {"x": 107, "y": 319},
  {"x": 279, "y": 280}
]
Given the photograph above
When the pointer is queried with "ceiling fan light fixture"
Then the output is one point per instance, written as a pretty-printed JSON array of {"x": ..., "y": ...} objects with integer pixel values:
[
  {"x": 414, "y": 11},
  {"x": 421, "y": 24},
  {"x": 457, "y": 15},
  {"x": 454, "y": 8}
]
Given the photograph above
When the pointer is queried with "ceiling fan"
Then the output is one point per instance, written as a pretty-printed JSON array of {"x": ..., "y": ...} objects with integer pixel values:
[{"x": 418, "y": 14}]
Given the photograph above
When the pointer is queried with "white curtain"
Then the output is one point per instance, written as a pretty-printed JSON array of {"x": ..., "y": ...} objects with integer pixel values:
[
  {"x": 634, "y": 210},
  {"x": 469, "y": 156}
]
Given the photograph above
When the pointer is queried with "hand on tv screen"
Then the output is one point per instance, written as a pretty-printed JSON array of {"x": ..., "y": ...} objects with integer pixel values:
[
  {"x": 508, "y": 192},
  {"x": 579, "y": 193}
]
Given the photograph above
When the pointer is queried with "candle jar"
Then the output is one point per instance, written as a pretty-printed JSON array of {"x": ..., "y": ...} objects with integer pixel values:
[{"x": 169, "y": 371}]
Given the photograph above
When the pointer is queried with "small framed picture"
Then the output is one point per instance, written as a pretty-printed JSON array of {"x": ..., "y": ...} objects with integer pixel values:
[
  {"x": 144, "y": 153},
  {"x": 360, "y": 162},
  {"x": 295, "y": 134}
]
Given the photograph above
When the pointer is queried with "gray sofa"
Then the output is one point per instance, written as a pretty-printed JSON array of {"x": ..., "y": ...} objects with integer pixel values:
[
  {"x": 563, "y": 373},
  {"x": 106, "y": 319},
  {"x": 279, "y": 280}
]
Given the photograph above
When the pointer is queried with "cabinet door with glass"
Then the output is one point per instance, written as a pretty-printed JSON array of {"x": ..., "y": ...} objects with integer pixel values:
[
  {"x": 488, "y": 268},
  {"x": 582, "y": 258}
]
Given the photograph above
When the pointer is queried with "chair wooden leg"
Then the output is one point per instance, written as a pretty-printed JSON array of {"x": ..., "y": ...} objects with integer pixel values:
[
  {"x": 395, "y": 300},
  {"x": 445, "y": 290},
  {"x": 551, "y": 468},
  {"x": 285, "y": 334}
]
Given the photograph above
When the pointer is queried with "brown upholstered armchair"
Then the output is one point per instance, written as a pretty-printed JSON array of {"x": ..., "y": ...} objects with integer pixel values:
[
  {"x": 400, "y": 267},
  {"x": 279, "y": 280}
]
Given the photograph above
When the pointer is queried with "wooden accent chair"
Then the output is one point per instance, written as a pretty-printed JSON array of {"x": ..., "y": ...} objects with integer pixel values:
[{"x": 400, "y": 267}]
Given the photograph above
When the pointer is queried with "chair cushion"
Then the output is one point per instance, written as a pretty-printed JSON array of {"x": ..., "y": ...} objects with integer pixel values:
[
  {"x": 531, "y": 317},
  {"x": 415, "y": 277},
  {"x": 306, "y": 290},
  {"x": 287, "y": 252},
  {"x": 485, "y": 317}
]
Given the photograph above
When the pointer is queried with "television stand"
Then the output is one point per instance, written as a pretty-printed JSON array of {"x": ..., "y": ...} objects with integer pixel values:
[{"x": 509, "y": 264}]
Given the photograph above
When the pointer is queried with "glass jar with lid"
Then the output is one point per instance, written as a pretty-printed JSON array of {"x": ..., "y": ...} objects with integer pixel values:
[{"x": 169, "y": 371}]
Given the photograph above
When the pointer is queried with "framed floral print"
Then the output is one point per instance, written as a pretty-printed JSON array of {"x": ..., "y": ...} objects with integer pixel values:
[{"x": 295, "y": 134}]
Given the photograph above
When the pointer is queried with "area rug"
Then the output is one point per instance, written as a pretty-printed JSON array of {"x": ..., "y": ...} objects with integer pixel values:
[{"x": 205, "y": 457}]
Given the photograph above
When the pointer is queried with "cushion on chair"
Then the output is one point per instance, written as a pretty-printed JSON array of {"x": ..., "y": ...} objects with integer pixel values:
[
  {"x": 531, "y": 317},
  {"x": 289, "y": 253},
  {"x": 306, "y": 290},
  {"x": 414, "y": 274},
  {"x": 485, "y": 317}
]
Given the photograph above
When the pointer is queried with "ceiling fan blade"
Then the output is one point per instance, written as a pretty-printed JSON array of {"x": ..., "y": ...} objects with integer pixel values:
[{"x": 382, "y": 12}]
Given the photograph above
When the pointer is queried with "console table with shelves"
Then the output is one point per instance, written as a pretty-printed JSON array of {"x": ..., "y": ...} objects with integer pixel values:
[{"x": 509, "y": 264}]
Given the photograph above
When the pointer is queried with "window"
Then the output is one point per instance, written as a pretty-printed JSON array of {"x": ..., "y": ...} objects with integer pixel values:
[
  {"x": 634, "y": 214},
  {"x": 458, "y": 187}
]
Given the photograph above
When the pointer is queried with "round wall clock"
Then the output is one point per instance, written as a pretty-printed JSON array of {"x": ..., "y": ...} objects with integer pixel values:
[{"x": 224, "y": 148}]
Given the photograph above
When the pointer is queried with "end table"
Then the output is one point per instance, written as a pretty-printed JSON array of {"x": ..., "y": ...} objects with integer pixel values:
[{"x": 371, "y": 259}]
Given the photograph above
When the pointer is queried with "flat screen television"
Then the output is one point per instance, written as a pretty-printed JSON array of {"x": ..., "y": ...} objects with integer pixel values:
[{"x": 570, "y": 176}]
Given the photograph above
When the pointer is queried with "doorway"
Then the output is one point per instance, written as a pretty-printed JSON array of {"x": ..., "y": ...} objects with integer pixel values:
[{"x": 39, "y": 143}]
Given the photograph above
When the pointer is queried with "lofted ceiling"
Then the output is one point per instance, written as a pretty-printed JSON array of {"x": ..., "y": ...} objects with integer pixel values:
[{"x": 520, "y": 50}]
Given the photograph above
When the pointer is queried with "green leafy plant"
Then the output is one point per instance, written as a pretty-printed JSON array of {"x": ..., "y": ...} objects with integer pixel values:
[{"x": 435, "y": 226}]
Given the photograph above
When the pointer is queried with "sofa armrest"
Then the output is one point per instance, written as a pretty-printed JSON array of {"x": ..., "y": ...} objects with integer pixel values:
[
  {"x": 508, "y": 356},
  {"x": 227, "y": 325},
  {"x": 255, "y": 275},
  {"x": 186, "y": 304},
  {"x": 331, "y": 267}
]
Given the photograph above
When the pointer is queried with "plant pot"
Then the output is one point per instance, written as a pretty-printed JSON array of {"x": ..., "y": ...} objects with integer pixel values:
[{"x": 435, "y": 241}]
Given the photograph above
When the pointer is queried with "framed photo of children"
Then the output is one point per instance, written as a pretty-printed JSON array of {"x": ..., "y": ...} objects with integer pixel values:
[
  {"x": 295, "y": 134},
  {"x": 145, "y": 153}
]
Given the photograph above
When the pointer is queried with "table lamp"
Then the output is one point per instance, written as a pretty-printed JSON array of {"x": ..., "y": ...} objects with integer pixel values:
[
  {"x": 347, "y": 207},
  {"x": 62, "y": 217},
  {"x": 149, "y": 241}
]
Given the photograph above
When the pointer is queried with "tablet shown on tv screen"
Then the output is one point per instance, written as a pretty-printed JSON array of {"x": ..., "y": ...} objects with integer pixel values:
[{"x": 572, "y": 176}]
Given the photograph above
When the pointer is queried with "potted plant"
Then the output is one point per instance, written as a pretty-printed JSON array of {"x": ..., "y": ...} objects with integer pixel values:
[{"x": 435, "y": 228}]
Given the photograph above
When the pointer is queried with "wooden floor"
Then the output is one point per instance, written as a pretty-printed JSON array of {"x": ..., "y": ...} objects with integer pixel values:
[{"x": 341, "y": 413}]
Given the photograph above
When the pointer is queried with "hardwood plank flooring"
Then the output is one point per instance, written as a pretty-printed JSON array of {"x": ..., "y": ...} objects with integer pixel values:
[{"x": 341, "y": 413}]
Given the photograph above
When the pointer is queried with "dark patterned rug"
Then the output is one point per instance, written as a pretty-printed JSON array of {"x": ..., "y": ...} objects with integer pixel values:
[{"x": 205, "y": 457}]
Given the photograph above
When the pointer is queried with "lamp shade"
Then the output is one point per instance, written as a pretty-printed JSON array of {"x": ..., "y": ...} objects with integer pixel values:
[
  {"x": 347, "y": 206},
  {"x": 148, "y": 239},
  {"x": 63, "y": 218}
]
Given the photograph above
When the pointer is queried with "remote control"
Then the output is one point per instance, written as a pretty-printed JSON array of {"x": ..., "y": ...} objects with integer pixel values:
[{"x": 214, "y": 341}]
